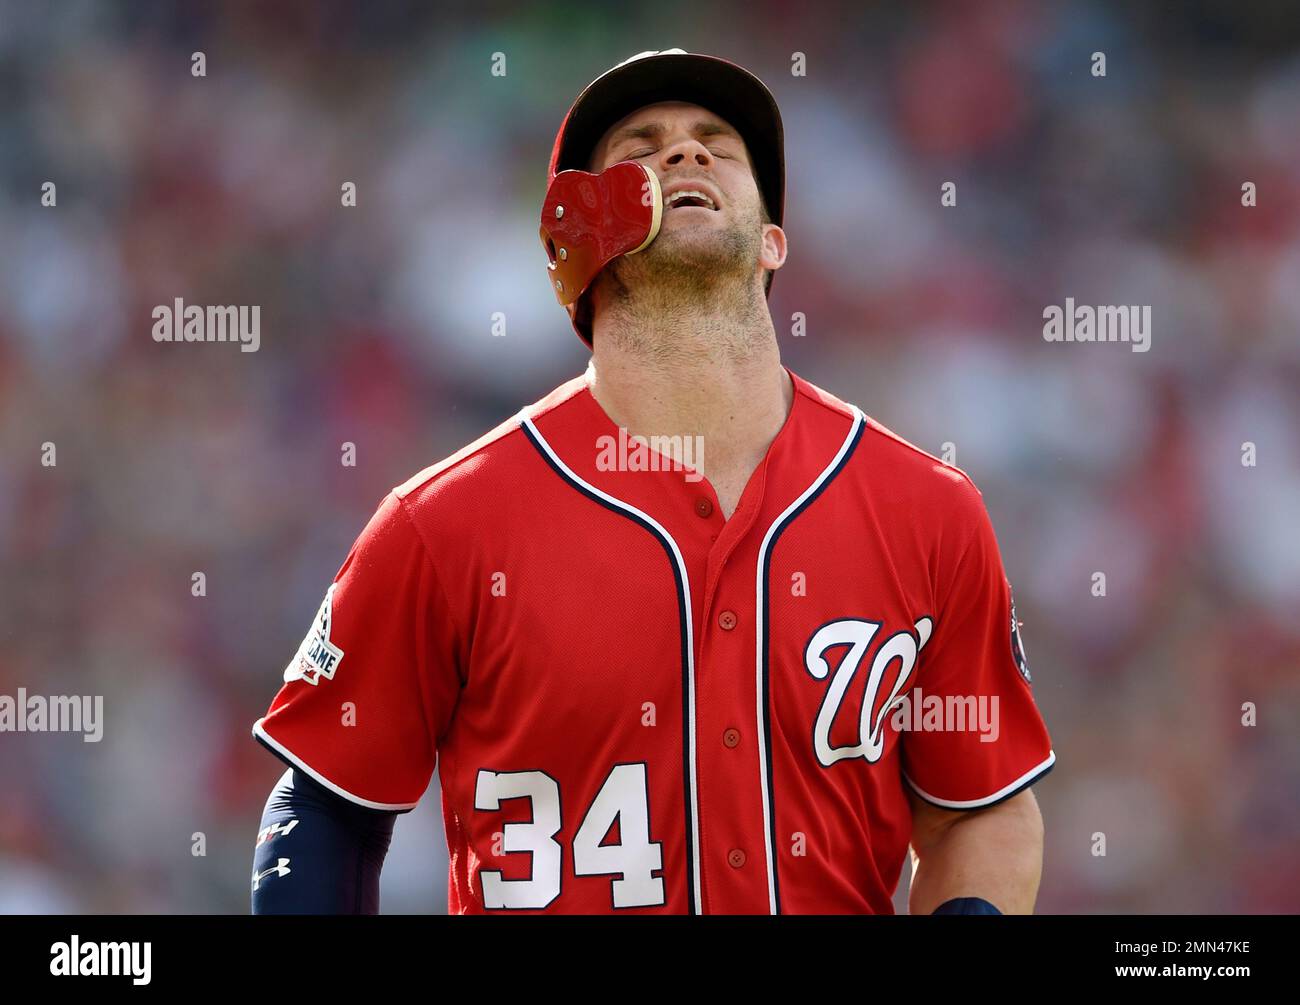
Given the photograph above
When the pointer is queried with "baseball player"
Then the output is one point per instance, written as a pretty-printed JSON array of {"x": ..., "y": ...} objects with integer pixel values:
[{"x": 687, "y": 635}]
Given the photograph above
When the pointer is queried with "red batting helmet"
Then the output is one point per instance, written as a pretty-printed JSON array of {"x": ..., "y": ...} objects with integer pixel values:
[{"x": 588, "y": 220}]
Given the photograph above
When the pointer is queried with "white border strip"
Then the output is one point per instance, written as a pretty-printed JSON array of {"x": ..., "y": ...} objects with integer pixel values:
[
  {"x": 760, "y": 589},
  {"x": 972, "y": 804},
  {"x": 260, "y": 732},
  {"x": 690, "y": 644}
]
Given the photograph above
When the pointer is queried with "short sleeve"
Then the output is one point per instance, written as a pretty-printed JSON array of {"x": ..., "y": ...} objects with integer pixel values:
[
  {"x": 373, "y": 684},
  {"x": 981, "y": 738}
]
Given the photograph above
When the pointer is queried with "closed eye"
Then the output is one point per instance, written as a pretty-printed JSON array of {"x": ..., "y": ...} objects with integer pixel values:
[{"x": 646, "y": 153}]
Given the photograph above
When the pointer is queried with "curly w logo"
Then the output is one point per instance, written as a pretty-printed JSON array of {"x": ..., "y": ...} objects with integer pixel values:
[{"x": 902, "y": 647}]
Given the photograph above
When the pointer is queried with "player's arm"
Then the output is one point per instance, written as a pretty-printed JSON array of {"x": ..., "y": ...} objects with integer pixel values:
[
  {"x": 993, "y": 854},
  {"x": 364, "y": 698},
  {"x": 977, "y": 835},
  {"x": 318, "y": 853}
]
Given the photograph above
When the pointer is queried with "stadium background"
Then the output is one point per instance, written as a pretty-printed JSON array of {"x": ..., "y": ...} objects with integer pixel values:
[{"x": 376, "y": 330}]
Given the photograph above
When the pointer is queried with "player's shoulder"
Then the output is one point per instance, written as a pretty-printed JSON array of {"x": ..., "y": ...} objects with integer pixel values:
[
  {"x": 489, "y": 464},
  {"x": 488, "y": 448},
  {"x": 907, "y": 459},
  {"x": 885, "y": 458}
]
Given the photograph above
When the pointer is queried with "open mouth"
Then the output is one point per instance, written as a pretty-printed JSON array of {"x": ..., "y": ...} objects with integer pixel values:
[{"x": 690, "y": 198}]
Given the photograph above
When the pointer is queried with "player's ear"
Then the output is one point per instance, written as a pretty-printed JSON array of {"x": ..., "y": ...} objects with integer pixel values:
[{"x": 773, "y": 251}]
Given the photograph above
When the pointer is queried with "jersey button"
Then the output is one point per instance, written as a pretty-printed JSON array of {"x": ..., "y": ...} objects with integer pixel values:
[
  {"x": 731, "y": 737},
  {"x": 703, "y": 508},
  {"x": 735, "y": 858},
  {"x": 727, "y": 620}
]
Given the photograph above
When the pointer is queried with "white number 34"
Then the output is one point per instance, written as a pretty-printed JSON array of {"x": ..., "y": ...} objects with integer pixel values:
[{"x": 634, "y": 860}]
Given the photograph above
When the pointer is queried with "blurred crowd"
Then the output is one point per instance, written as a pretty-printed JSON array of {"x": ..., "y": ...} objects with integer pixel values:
[{"x": 376, "y": 330}]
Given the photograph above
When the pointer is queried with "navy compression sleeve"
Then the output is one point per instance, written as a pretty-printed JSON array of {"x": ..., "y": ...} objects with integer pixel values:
[
  {"x": 966, "y": 905},
  {"x": 318, "y": 853}
]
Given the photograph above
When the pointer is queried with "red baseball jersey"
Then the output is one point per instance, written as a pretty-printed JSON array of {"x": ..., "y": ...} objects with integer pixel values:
[{"x": 638, "y": 705}]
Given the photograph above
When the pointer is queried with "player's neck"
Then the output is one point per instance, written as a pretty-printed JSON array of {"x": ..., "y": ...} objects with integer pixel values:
[{"x": 734, "y": 403}]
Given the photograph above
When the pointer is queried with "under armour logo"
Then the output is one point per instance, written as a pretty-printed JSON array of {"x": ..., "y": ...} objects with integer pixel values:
[{"x": 281, "y": 868}]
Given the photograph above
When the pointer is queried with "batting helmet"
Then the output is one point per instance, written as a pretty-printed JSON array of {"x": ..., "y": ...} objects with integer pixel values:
[{"x": 589, "y": 220}]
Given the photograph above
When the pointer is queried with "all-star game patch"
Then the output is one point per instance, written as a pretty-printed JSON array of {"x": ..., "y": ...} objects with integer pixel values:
[
  {"x": 1018, "y": 645},
  {"x": 317, "y": 657}
]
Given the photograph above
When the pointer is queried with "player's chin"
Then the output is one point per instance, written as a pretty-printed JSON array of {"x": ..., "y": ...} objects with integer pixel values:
[{"x": 695, "y": 232}]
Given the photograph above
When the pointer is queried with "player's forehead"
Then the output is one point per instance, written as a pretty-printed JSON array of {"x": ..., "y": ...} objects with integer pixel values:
[{"x": 652, "y": 121}]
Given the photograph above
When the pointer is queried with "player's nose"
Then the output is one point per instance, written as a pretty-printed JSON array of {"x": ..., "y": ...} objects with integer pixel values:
[{"x": 686, "y": 150}]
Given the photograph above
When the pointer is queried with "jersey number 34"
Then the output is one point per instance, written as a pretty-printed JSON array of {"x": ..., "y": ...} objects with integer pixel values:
[{"x": 633, "y": 861}]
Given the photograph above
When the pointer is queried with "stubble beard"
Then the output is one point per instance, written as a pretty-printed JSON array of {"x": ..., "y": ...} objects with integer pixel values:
[{"x": 656, "y": 295}]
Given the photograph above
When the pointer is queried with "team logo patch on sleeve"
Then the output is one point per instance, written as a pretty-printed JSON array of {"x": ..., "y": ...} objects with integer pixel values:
[
  {"x": 317, "y": 657},
  {"x": 1018, "y": 645}
]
